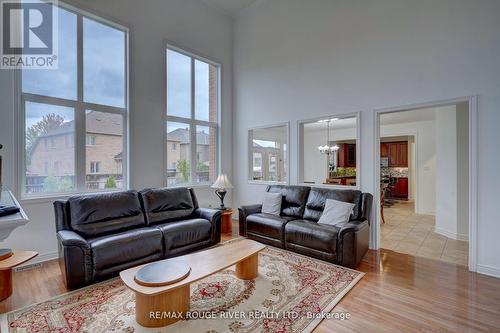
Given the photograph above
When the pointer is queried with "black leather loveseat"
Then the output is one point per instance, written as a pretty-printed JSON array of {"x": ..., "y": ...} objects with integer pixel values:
[
  {"x": 296, "y": 228},
  {"x": 100, "y": 235}
]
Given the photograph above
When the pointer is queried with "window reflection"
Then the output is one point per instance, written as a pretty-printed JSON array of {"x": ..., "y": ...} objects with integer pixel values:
[
  {"x": 329, "y": 151},
  {"x": 268, "y": 147}
]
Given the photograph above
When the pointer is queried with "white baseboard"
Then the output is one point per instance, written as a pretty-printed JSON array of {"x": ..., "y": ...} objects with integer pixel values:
[
  {"x": 451, "y": 235},
  {"x": 488, "y": 270},
  {"x": 41, "y": 258}
]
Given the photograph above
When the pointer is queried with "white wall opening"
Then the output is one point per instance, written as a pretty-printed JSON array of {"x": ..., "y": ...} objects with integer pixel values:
[{"x": 444, "y": 186}]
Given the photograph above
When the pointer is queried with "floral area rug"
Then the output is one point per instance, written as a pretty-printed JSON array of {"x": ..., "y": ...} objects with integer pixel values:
[{"x": 290, "y": 295}]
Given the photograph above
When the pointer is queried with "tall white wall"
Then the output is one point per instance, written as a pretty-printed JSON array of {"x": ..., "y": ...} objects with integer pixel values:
[
  {"x": 462, "y": 170},
  {"x": 425, "y": 160},
  {"x": 446, "y": 187},
  {"x": 297, "y": 60},
  {"x": 452, "y": 150},
  {"x": 187, "y": 24}
]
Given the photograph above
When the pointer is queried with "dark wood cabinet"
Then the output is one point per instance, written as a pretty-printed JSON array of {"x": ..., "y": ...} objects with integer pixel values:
[
  {"x": 397, "y": 153},
  {"x": 347, "y": 155},
  {"x": 400, "y": 190},
  {"x": 384, "y": 150}
]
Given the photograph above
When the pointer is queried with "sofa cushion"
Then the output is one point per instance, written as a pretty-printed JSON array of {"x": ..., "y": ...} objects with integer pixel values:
[
  {"x": 294, "y": 199},
  {"x": 105, "y": 213},
  {"x": 126, "y": 249},
  {"x": 317, "y": 199},
  {"x": 267, "y": 225},
  {"x": 185, "y": 232},
  {"x": 167, "y": 204},
  {"x": 312, "y": 235}
]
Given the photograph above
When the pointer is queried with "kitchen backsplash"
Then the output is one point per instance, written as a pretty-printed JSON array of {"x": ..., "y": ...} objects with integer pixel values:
[
  {"x": 394, "y": 172},
  {"x": 344, "y": 172}
]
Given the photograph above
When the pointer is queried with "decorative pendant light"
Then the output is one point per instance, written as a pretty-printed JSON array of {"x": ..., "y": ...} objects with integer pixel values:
[{"x": 327, "y": 149}]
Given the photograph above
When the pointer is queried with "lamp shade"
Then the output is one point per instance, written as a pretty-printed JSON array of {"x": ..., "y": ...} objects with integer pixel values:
[{"x": 222, "y": 182}]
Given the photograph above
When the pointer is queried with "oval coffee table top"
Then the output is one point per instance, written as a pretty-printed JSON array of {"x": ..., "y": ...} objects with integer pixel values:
[{"x": 162, "y": 273}]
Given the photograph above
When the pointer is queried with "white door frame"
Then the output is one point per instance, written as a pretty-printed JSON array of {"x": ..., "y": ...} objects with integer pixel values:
[{"x": 473, "y": 168}]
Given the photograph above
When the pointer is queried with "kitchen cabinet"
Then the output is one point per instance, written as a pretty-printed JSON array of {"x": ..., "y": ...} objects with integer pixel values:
[
  {"x": 384, "y": 150},
  {"x": 397, "y": 153},
  {"x": 347, "y": 155},
  {"x": 400, "y": 190}
]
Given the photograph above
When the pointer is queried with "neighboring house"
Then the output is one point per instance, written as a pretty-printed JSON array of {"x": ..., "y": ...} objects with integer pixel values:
[
  {"x": 53, "y": 153},
  {"x": 265, "y": 163},
  {"x": 179, "y": 148}
]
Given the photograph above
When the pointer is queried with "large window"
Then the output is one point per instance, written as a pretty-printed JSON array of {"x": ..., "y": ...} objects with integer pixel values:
[
  {"x": 74, "y": 117},
  {"x": 191, "y": 119},
  {"x": 268, "y": 155}
]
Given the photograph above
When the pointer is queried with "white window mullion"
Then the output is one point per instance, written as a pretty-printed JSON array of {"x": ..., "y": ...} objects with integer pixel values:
[
  {"x": 80, "y": 138},
  {"x": 193, "y": 125}
]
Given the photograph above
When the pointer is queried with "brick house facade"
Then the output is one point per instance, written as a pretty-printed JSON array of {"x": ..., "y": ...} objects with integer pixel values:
[{"x": 53, "y": 153}]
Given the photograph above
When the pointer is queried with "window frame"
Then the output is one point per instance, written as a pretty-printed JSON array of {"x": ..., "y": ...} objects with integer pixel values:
[
  {"x": 79, "y": 107},
  {"x": 95, "y": 167},
  {"x": 300, "y": 150},
  {"x": 192, "y": 122},
  {"x": 250, "y": 155}
]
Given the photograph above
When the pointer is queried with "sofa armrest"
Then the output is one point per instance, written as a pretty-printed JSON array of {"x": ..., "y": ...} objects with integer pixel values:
[
  {"x": 214, "y": 216},
  {"x": 61, "y": 213},
  {"x": 71, "y": 238},
  {"x": 244, "y": 211},
  {"x": 74, "y": 258},
  {"x": 352, "y": 226},
  {"x": 352, "y": 242}
]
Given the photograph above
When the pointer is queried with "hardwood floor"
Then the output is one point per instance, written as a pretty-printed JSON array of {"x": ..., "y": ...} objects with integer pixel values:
[{"x": 399, "y": 293}]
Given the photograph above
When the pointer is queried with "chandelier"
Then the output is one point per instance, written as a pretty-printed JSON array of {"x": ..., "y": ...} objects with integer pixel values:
[{"x": 328, "y": 149}]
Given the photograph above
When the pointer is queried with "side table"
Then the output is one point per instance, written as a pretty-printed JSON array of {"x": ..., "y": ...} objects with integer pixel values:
[
  {"x": 226, "y": 221},
  {"x": 6, "y": 265}
]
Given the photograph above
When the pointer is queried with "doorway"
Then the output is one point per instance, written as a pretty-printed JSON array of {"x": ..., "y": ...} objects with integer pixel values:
[{"x": 425, "y": 172}]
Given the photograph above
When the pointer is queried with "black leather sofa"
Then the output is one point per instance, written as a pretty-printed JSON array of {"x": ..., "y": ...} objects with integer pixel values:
[
  {"x": 100, "y": 235},
  {"x": 296, "y": 229}
]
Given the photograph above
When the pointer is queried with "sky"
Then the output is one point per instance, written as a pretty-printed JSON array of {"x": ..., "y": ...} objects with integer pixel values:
[
  {"x": 179, "y": 86},
  {"x": 104, "y": 73}
]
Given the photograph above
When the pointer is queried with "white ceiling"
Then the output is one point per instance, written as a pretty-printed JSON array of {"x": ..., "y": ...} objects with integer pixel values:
[
  {"x": 230, "y": 7},
  {"x": 408, "y": 116}
]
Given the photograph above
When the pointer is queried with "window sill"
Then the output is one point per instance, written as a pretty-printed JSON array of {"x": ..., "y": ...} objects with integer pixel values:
[
  {"x": 264, "y": 182},
  {"x": 49, "y": 198},
  {"x": 332, "y": 186},
  {"x": 195, "y": 186}
]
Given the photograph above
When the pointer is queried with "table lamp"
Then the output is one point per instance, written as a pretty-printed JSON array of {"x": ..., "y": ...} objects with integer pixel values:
[{"x": 221, "y": 184}]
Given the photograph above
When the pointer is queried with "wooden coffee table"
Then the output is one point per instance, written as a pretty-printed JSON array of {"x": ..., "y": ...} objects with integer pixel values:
[{"x": 152, "y": 303}]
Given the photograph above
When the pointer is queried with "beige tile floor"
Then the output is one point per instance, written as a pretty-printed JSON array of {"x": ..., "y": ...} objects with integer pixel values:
[{"x": 410, "y": 233}]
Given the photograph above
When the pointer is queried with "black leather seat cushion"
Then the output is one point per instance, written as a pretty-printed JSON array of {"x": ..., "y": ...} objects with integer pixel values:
[
  {"x": 317, "y": 199},
  {"x": 126, "y": 249},
  {"x": 186, "y": 232},
  {"x": 312, "y": 235},
  {"x": 267, "y": 224},
  {"x": 167, "y": 204},
  {"x": 105, "y": 213}
]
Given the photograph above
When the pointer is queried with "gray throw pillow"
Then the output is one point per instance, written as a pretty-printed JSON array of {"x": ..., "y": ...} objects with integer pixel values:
[
  {"x": 272, "y": 203},
  {"x": 336, "y": 212}
]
